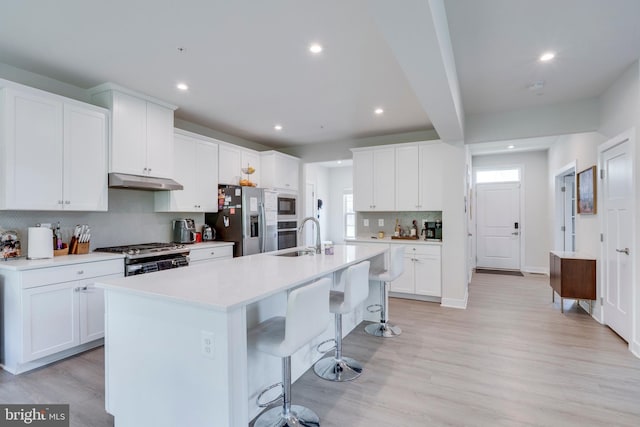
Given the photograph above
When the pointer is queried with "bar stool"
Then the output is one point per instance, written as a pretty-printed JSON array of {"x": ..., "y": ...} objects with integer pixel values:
[
  {"x": 307, "y": 317},
  {"x": 356, "y": 290},
  {"x": 395, "y": 270}
]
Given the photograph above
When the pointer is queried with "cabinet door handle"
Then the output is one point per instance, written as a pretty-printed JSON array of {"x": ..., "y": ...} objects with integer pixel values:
[
  {"x": 81, "y": 288},
  {"x": 80, "y": 272},
  {"x": 623, "y": 251},
  {"x": 60, "y": 202},
  {"x": 67, "y": 202},
  {"x": 213, "y": 253},
  {"x": 149, "y": 169}
]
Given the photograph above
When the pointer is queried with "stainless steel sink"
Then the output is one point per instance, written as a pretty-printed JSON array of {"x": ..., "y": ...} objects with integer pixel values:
[{"x": 299, "y": 252}]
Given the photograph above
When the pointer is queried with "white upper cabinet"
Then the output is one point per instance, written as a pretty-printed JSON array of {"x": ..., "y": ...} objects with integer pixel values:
[
  {"x": 142, "y": 132},
  {"x": 408, "y": 178},
  {"x": 374, "y": 179},
  {"x": 195, "y": 165},
  {"x": 279, "y": 171},
  {"x": 434, "y": 158},
  {"x": 53, "y": 152},
  {"x": 405, "y": 177},
  {"x": 85, "y": 159},
  {"x": 233, "y": 159}
]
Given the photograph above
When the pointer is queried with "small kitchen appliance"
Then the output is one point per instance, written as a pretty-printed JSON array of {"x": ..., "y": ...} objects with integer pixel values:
[
  {"x": 432, "y": 230},
  {"x": 184, "y": 231},
  {"x": 208, "y": 233}
]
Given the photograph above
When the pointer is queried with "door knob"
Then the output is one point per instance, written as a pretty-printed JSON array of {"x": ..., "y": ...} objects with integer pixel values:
[{"x": 623, "y": 251}]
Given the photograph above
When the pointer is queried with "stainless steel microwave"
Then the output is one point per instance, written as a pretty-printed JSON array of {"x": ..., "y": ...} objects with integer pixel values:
[{"x": 287, "y": 205}]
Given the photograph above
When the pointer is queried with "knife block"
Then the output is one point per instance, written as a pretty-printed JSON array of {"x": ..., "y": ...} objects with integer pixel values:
[{"x": 78, "y": 248}]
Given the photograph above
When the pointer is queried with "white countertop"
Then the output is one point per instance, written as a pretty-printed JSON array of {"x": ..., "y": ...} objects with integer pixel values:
[
  {"x": 573, "y": 255},
  {"x": 209, "y": 244},
  {"x": 366, "y": 239},
  {"x": 31, "y": 264},
  {"x": 230, "y": 283}
]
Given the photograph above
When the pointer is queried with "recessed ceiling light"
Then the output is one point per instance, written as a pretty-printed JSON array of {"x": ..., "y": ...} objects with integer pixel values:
[
  {"x": 182, "y": 86},
  {"x": 315, "y": 48},
  {"x": 278, "y": 127},
  {"x": 339, "y": 162},
  {"x": 547, "y": 56},
  {"x": 511, "y": 147},
  {"x": 378, "y": 111}
]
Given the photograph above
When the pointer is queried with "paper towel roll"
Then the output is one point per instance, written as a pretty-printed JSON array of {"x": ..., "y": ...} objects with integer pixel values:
[{"x": 40, "y": 243}]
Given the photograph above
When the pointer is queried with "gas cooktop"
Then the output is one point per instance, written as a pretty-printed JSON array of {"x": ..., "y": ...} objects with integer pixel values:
[{"x": 146, "y": 249}]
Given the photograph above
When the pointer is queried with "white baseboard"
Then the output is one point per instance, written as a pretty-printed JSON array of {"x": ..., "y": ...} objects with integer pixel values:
[
  {"x": 535, "y": 270},
  {"x": 634, "y": 347},
  {"x": 455, "y": 302}
]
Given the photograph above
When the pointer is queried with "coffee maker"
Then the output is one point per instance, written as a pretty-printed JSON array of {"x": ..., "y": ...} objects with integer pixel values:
[
  {"x": 432, "y": 230},
  {"x": 184, "y": 231}
]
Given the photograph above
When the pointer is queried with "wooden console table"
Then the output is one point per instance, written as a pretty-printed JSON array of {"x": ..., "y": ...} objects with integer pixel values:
[{"x": 572, "y": 275}]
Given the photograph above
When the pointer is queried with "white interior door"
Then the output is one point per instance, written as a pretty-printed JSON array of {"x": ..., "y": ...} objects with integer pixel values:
[
  {"x": 617, "y": 201},
  {"x": 498, "y": 226}
]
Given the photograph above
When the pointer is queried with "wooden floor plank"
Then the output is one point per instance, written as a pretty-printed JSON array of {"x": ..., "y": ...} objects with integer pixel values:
[{"x": 510, "y": 359}]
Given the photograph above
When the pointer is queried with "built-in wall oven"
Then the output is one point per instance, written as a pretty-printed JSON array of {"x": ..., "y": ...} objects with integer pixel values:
[{"x": 287, "y": 234}]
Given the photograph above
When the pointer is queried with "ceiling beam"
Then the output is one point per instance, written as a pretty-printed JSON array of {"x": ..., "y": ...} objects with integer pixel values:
[{"x": 417, "y": 32}]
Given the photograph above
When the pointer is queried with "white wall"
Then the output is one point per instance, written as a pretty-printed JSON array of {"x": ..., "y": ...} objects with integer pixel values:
[
  {"x": 620, "y": 111},
  {"x": 454, "y": 230},
  {"x": 536, "y": 199},
  {"x": 340, "y": 179},
  {"x": 319, "y": 177},
  {"x": 581, "y": 148}
]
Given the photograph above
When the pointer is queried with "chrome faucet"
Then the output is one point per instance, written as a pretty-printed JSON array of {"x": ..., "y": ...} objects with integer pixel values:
[{"x": 310, "y": 218}]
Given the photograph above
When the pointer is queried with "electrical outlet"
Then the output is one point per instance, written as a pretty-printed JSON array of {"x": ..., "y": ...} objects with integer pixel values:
[
  {"x": 206, "y": 344},
  {"x": 365, "y": 223},
  {"x": 380, "y": 222}
]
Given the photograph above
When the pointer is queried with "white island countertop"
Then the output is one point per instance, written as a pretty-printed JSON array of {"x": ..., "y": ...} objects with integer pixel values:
[
  {"x": 373, "y": 239},
  {"x": 228, "y": 284}
]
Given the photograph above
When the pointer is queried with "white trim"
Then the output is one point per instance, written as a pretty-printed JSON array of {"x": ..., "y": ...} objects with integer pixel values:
[
  {"x": 630, "y": 135},
  {"x": 535, "y": 270},
  {"x": 108, "y": 86},
  {"x": 558, "y": 237},
  {"x": 455, "y": 302}
]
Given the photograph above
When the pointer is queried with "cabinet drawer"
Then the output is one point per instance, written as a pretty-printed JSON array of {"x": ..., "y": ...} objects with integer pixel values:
[
  {"x": 215, "y": 252},
  {"x": 67, "y": 273},
  {"x": 431, "y": 250}
]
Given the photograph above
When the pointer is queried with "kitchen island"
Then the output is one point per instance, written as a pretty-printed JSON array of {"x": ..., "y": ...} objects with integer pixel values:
[{"x": 177, "y": 350}]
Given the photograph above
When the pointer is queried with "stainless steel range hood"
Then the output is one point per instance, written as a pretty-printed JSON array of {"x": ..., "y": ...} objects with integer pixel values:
[{"x": 136, "y": 182}]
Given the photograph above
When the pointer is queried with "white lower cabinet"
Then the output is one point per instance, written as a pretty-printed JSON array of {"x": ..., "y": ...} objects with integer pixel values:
[
  {"x": 208, "y": 254},
  {"x": 49, "y": 312},
  {"x": 422, "y": 272}
]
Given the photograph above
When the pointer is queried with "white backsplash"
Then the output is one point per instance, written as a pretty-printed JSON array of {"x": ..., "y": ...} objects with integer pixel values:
[
  {"x": 404, "y": 218},
  {"x": 130, "y": 219}
]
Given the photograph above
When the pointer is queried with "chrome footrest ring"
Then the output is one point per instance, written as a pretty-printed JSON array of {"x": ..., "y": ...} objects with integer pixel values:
[
  {"x": 271, "y": 402},
  {"x": 333, "y": 340},
  {"x": 376, "y": 308}
]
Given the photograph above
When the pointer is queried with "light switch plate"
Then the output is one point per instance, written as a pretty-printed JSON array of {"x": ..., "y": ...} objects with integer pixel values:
[
  {"x": 365, "y": 222},
  {"x": 380, "y": 222}
]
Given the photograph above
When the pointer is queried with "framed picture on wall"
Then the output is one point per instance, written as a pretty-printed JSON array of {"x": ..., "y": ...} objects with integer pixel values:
[{"x": 587, "y": 191}]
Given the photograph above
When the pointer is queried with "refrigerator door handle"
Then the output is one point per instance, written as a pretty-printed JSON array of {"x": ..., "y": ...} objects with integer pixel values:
[{"x": 262, "y": 231}]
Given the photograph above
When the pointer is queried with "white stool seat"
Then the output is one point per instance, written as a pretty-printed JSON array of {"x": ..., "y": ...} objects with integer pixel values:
[
  {"x": 356, "y": 290},
  {"x": 396, "y": 269},
  {"x": 307, "y": 317}
]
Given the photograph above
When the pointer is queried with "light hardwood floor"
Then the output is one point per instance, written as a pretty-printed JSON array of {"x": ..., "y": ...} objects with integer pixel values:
[{"x": 510, "y": 359}]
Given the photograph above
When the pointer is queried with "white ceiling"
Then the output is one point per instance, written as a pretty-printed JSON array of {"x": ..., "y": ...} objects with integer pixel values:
[{"x": 248, "y": 66}]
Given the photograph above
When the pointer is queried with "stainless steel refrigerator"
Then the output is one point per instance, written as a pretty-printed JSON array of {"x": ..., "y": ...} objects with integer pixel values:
[{"x": 244, "y": 218}]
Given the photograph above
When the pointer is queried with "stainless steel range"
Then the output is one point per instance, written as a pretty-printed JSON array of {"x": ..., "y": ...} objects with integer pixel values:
[{"x": 150, "y": 257}]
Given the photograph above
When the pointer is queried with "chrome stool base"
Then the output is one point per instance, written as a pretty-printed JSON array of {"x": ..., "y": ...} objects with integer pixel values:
[
  {"x": 331, "y": 369},
  {"x": 384, "y": 330},
  {"x": 298, "y": 416}
]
